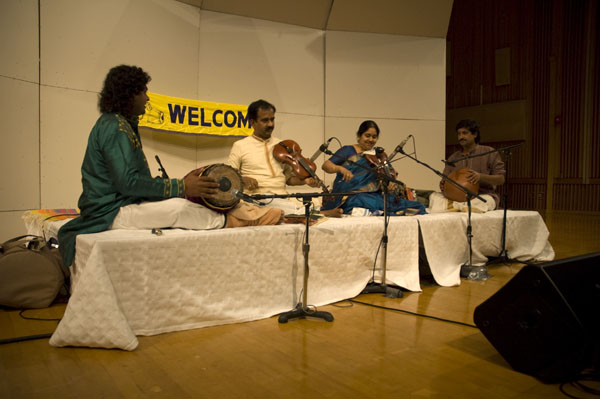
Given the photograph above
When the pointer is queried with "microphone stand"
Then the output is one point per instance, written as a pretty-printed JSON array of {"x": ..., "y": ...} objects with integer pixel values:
[
  {"x": 503, "y": 255},
  {"x": 302, "y": 311},
  {"x": 467, "y": 270},
  {"x": 373, "y": 287},
  {"x": 383, "y": 288}
]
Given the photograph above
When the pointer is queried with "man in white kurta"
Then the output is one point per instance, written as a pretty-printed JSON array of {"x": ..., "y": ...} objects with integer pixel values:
[{"x": 253, "y": 158}]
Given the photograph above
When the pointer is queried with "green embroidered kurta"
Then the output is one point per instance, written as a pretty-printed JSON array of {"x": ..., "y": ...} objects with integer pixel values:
[{"x": 114, "y": 173}]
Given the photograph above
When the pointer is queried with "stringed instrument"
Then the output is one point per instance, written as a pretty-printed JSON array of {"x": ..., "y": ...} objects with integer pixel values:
[
  {"x": 289, "y": 152},
  {"x": 379, "y": 161}
]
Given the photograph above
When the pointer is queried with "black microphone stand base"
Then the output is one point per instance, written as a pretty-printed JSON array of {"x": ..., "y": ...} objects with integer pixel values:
[
  {"x": 504, "y": 259},
  {"x": 476, "y": 273},
  {"x": 386, "y": 290},
  {"x": 301, "y": 312}
]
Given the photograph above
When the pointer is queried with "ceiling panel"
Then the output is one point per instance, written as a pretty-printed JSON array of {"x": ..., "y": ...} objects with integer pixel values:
[
  {"x": 427, "y": 18},
  {"x": 307, "y": 13}
]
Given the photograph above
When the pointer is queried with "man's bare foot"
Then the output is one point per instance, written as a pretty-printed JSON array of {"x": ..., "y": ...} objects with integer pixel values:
[
  {"x": 334, "y": 213},
  {"x": 273, "y": 216}
]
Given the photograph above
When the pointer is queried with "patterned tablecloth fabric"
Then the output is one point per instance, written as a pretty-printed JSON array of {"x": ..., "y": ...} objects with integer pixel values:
[{"x": 128, "y": 283}]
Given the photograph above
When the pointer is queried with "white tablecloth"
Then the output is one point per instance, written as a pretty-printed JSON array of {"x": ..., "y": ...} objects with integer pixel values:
[
  {"x": 131, "y": 282},
  {"x": 446, "y": 244}
]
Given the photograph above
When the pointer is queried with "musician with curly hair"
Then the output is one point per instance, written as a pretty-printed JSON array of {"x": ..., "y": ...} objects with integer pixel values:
[{"x": 119, "y": 191}]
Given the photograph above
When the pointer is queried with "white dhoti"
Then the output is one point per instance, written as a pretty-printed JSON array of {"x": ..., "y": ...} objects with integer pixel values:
[
  {"x": 172, "y": 212},
  {"x": 439, "y": 203},
  {"x": 289, "y": 206}
]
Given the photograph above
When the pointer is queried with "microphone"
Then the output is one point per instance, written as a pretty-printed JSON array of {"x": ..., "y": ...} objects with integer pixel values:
[
  {"x": 321, "y": 149},
  {"x": 161, "y": 168},
  {"x": 449, "y": 163},
  {"x": 400, "y": 147},
  {"x": 244, "y": 197}
]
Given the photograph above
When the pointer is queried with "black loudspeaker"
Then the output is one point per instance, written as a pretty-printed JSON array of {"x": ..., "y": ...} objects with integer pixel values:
[{"x": 545, "y": 320}]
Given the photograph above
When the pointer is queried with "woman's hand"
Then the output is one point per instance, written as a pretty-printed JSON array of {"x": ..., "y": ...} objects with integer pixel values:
[{"x": 346, "y": 174}]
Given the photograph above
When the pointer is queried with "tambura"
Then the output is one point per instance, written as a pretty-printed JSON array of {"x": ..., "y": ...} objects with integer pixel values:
[
  {"x": 454, "y": 193},
  {"x": 230, "y": 182}
]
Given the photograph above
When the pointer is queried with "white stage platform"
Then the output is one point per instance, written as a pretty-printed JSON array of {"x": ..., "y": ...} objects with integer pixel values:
[{"x": 128, "y": 283}]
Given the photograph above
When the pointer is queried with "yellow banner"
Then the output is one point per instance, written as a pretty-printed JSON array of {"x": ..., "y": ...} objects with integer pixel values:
[{"x": 181, "y": 115}]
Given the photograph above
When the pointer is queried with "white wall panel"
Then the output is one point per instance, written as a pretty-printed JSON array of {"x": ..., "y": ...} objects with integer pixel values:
[
  {"x": 385, "y": 76},
  {"x": 19, "y": 43},
  {"x": 180, "y": 153},
  {"x": 67, "y": 119},
  {"x": 11, "y": 225},
  {"x": 19, "y": 153},
  {"x": 83, "y": 39},
  {"x": 210, "y": 150},
  {"x": 244, "y": 59}
]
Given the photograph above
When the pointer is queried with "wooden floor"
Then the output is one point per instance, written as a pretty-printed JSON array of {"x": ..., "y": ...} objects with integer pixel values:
[{"x": 366, "y": 352}]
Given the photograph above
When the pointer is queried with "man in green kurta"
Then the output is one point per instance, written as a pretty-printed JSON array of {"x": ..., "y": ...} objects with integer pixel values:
[{"x": 115, "y": 173}]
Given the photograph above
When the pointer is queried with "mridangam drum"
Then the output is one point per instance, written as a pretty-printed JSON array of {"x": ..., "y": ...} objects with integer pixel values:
[
  {"x": 454, "y": 193},
  {"x": 230, "y": 182}
]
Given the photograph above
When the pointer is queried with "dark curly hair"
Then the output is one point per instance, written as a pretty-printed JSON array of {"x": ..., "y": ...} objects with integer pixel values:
[
  {"x": 121, "y": 85},
  {"x": 256, "y": 105}
]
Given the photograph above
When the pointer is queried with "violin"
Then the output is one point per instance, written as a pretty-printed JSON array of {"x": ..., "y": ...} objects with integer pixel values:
[
  {"x": 379, "y": 161},
  {"x": 289, "y": 152}
]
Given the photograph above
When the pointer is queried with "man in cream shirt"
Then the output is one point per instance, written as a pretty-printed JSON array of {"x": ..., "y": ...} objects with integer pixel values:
[{"x": 253, "y": 158}]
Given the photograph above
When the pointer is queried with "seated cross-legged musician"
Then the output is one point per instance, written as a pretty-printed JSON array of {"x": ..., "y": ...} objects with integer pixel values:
[
  {"x": 118, "y": 189},
  {"x": 253, "y": 158},
  {"x": 485, "y": 173},
  {"x": 351, "y": 164}
]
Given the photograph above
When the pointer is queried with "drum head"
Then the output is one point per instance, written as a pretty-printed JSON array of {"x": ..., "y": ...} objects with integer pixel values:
[
  {"x": 454, "y": 193},
  {"x": 229, "y": 181}
]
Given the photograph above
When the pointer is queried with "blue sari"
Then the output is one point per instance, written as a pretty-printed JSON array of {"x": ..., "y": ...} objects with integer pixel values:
[{"x": 367, "y": 184}]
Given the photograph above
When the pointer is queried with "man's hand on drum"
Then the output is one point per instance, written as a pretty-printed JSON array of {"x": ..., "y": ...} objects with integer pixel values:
[
  {"x": 473, "y": 177},
  {"x": 200, "y": 186},
  {"x": 250, "y": 183}
]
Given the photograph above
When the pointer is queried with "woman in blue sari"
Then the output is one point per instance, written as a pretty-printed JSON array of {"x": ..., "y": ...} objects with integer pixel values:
[{"x": 353, "y": 174}]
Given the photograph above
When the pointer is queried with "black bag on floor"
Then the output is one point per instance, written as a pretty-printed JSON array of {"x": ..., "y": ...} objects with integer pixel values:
[{"x": 32, "y": 273}]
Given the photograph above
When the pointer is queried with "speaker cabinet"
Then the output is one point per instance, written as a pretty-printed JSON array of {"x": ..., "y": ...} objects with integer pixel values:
[{"x": 545, "y": 320}]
